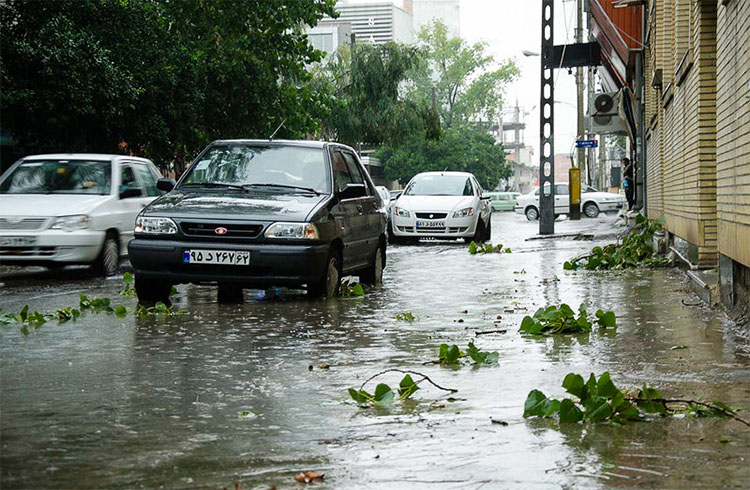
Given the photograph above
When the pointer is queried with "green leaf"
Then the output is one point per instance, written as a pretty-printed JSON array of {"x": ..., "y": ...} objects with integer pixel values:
[
  {"x": 535, "y": 404},
  {"x": 23, "y": 315},
  {"x": 598, "y": 410},
  {"x": 605, "y": 387},
  {"x": 650, "y": 393},
  {"x": 358, "y": 290},
  {"x": 606, "y": 320},
  {"x": 550, "y": 407},
  {"x": 127, "y": 278},
  {"x": 383, "y": 394},
  {"x": 120, "y": 311},
  {"x": 569, "y": 412},
  {"x": 573, "y": 384},
  {"x": 407, "y": 387}
]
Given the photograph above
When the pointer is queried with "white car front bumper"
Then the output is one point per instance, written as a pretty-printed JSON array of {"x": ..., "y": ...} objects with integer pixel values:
[
  {"x": 451, "y": 227},
  {"x": 74, "y": 247}
]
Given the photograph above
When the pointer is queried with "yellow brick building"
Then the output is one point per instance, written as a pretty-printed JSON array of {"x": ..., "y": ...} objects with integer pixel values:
[{"x": 697, "y": 117}]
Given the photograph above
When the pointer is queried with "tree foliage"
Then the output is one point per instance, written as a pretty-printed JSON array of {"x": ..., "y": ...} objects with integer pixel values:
[
  {"x": 164, "y": 78},
  {"x": 459, "y": 149},
  {"x": 466, "y": 81},
  {"x": 366, "y": 105}
]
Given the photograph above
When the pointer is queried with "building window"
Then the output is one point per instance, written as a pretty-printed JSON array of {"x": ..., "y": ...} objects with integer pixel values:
[{"x": 322, "y": 42}]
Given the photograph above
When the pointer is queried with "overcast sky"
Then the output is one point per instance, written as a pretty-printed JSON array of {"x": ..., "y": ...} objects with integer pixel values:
[{"x": 511, "y": 26}]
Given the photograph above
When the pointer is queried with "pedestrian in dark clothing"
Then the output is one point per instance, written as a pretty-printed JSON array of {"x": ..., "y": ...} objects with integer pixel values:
[{"x": 629, "y": 181}]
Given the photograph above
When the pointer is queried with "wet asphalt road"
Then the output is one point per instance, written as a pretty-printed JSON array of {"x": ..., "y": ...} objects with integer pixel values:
[{"x": 225, "y": 393}]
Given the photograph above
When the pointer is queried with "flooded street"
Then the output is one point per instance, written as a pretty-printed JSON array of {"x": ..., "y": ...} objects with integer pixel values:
[{"x": 236, "y": 393}]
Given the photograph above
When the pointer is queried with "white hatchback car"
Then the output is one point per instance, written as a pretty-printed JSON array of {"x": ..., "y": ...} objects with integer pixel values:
[
  {"x": 592, "y": 202},
  {"x": 442, "y": 205},
  {"x": 73, "y": 208}
]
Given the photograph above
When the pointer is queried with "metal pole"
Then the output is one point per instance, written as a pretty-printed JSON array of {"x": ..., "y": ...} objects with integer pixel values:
[
  {"x": 547, "y": 124},
  {"x": 575, "y": 190}
]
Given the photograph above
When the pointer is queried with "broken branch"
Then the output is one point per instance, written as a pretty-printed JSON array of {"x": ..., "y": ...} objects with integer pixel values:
[{"x": 406, "y": 371}]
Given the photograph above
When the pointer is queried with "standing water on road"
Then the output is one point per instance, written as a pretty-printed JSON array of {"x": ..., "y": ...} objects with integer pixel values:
[{"x": 256, "y": 393}]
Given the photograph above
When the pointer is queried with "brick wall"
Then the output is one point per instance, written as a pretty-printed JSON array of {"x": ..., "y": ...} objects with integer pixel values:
[{"x": 733, "y": 130}]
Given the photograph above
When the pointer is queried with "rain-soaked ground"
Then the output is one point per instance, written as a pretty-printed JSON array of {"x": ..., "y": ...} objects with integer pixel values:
[{"x": 235, "y": 393}]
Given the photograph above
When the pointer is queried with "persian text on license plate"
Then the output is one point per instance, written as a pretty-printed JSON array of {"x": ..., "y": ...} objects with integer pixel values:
[
  {"x": 220, "y": 257},
  {"x": 17, "y": 241},
  {"x": 430, "y": 224}
]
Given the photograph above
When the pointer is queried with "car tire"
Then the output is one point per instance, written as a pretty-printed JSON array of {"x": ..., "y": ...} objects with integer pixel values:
[
  {"x": 373, "y": 274},
  {"x": 532, "y": 213},
  {"x": 328, "y": 285},
  {"x": 488, "y": 230},
  {"x": 108, "y": 261},
  {"x": 479, "y": 232},
  {"x": 151, "y": 291},
  {"x": 591, "y": 210}
]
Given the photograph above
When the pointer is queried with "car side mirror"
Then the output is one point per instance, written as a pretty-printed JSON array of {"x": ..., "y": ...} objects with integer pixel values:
[
  {"x": 353, "y": 191},
  {"x": 485, "y": 196},
  {"x": 130, "y": 192},
  {"x": 165, "y": 185},
  {"x": 396, "y": 196}
]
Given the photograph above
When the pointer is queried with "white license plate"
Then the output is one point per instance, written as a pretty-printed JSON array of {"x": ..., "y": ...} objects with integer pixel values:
[
  {"x": 17, "y": 241},
  {"x": 220, "y": 257},
  {"x": 430, "y": 224}
]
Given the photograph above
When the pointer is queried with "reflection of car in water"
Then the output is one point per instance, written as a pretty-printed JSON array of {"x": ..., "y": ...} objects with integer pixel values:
[
  {"x": 72, "y": 208},
  {"x": 258, "y": 213},
  {"x": 442, "y": 205},
  {"x": 503, "y": 201},
  {"x": 592, "y": 202}
]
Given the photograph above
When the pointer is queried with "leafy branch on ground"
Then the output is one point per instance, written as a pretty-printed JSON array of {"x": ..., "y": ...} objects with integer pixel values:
[
  {"x": 451, "y": 355},
  {"x": 634, "y": 250},
  {"x": 351, "y": 289},
  {"x": 601, "y": 400},
  {"x": 159, "y": 308},
  {"x": 384, "y": 395},
  {"x": 562, "y": 319},
  {"x": 407, "y": 316},
  {"x": 487, "y": 248}
]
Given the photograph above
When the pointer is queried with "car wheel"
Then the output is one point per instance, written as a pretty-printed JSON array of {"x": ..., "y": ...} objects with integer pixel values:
[
  {"x": 108, "y": 261},
  {"x": 150, "y": 291},
  {"x": 373, "y": 275},
  {"x": 329, "y": 283},
  {"x": 479, "y": 232},
  {"x": 390, "y": 231},
  {"x": 591, "y": 210},
  {"x": 488, "y": 230},
  {"x": 532, "y": 213}
]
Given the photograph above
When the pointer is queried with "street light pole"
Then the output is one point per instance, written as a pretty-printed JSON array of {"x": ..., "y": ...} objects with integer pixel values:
[{"x": 575, "y": 177}]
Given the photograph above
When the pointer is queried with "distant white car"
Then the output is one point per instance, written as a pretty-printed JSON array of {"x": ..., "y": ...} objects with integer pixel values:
[
  {"x": 73, "y": 208},
  {"x": 592, "y": 202},
  {"x": 442, "y": 205}
]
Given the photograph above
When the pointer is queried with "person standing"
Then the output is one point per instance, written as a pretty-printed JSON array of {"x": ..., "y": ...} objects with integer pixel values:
[{"x": 629, "y": 181}]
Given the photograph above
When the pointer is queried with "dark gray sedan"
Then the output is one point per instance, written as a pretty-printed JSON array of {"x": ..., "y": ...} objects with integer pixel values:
[{"x": 258, "y": 214}]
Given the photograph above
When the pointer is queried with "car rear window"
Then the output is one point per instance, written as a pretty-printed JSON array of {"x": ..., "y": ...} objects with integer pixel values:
[
  {"x": 256, "y": 164},
  {"x": 59, "y": 177}
]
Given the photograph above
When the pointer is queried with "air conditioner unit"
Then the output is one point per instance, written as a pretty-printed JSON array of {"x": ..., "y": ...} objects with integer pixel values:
[{"x": 605, "y": 118}]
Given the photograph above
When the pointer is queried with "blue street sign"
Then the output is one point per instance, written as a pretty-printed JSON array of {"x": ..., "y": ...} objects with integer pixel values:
[{"x": 587, "y": 143}]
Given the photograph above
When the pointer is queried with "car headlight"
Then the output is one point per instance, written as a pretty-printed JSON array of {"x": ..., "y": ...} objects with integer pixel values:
[
  {"x": 155, "y": 226},
  {"x": 464, "y": 213},
  {"x": 71, "y": 223},
  {"x": 397, "y": 211},
  {"x": 298, "y": 231}
]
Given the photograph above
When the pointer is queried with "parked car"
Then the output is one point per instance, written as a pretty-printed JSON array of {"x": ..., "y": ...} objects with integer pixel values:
[
  {"x": 73, "y": 208},
  {"x": 592, "y": 202},
  {"x": 442, "y": 205},
  {"x": 503, "y": 201},
  {"x": 259, "y": 213}
]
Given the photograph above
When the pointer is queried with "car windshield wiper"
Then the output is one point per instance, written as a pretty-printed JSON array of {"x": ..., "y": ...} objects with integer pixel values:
[
  {"x": 308, "y": 189},
  {"x": 215, "y": 184}
]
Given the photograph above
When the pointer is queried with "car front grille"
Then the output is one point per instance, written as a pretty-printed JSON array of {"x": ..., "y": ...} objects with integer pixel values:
[
  {"x": 26, "y": 224},
  {"x": 432, "y": 215},
  {"x": 208, "y": 230},
  {"x": 27, "y": 251}
]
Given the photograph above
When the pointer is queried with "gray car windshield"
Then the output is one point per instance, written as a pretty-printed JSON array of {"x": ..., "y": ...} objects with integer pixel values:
[
  {"x": 440, "y": 185},
  {"x": 289, "y": 167},
  {"x": 59, "y": 177}
]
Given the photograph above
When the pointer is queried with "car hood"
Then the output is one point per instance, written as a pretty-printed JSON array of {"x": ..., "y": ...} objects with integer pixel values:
[
  {"x": 251, "y": 206},
  {"x": 434, "y": 203},
  {"x": 43, "y": 205}
]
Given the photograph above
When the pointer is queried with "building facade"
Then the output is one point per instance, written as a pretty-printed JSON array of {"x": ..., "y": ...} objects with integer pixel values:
[{"x": 375, "y": 22}]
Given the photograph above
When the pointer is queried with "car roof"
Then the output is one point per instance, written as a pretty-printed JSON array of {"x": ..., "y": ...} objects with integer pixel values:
[
  {"x": 467, "y": 174},
  {"x": 83, "y": 156},
  {"x": 305, "y": 143}
]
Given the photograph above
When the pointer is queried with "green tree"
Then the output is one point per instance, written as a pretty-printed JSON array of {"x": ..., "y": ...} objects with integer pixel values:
[
  {"x": 164, "y": 78},
  {"x": 465, "y": 80},
  {"x": 367, "y": 105},
  {"x": 459, "y": 149}
]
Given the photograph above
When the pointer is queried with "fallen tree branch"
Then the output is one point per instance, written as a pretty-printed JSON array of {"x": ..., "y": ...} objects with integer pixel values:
[
  {"x": 406, "y": 371},
  {"x": 485, "y": 332},
  {"x": 665, "y": 401}
]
